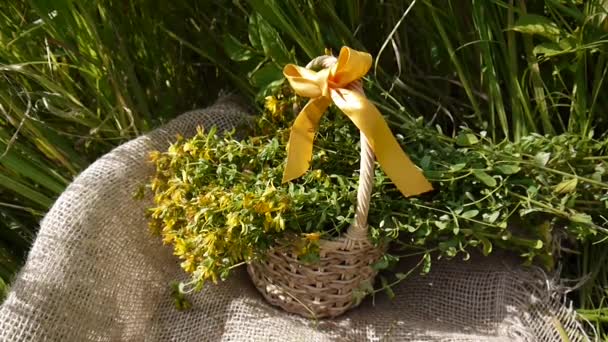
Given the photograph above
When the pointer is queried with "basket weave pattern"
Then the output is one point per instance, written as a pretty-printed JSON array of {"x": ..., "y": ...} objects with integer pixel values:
[
  {"x": 327, "y": 287},
  {"x": 322, "y": 289}
]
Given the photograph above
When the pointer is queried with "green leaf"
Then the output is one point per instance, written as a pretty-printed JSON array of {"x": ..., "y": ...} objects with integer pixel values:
[
  {"x": 366, "y": 286},
  {"x": 486, "y": 246},
  {"x": 537, "y": 25},
  {"x": 441, "y": 224},
  {"x": 400, "y": 275},
  {"x": 25, "y": 191},
  {"x": 224, "y": 274},
  {"x": 266, "y": 75},
  {"x": 449, "y": 247},
  {"x": 508, "y": 169},
  {"x": 581, "y": 218},
  {"x": 466, "y": 139},
  {"x": 29, "y": 169},
  {"x": 235, "y": 50},
  {"x": 566, "y": 186},
  {"x": 542, "y": 158},
  {"x": 568, "y": 43},
  {"x": 548, "y": 49},
  {"x": 410, "y": 228},
  {"x": 425, "y": 162},
  {"x": 491, "y": 218},
  {"x": 3, "y": 289},
  {"x": 363, "y": 290},
  {"x": 387, "y": 288},
  {"x": 254, "y": 33},
  {"x": 426, "y": 266},
  {"x": 272, "y": 44},
  {"x": 358, "y": 296},
  {"x": 485, "y": 178},
  {"x": 380, "y": 264},
  {"x": 469, "y": 214},
  {"x": 457, "y": 167},
  {"x": 435, "y": 174},
  {"x": 310, "y": 257}
]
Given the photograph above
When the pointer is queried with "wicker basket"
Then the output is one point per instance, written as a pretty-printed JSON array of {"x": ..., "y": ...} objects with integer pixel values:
[{"x": 325, "y": 288}]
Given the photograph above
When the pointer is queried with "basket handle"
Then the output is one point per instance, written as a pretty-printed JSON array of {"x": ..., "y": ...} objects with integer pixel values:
[
  {"x": 356, "y": 235},
  {"x": 357, "y": 232}
]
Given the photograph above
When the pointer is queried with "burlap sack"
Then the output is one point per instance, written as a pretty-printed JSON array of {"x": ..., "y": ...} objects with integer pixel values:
[{"x": 96, "y": 274}]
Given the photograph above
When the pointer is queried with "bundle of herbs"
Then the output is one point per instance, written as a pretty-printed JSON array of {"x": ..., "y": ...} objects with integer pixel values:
[{"x": 220, "y": 201}]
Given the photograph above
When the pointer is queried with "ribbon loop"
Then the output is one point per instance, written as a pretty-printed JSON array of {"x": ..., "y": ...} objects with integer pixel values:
[
  {"x": 307, "y": 83},
  {"x": 332, "y": 85},
  {"x": 351, "y": 66}
]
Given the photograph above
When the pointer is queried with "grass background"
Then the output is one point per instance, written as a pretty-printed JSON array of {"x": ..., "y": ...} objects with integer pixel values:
[{"x": 80, "y": 77}]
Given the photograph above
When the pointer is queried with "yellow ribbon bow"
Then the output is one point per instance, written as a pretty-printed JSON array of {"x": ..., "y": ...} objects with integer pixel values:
[{"x": 331, "y": 84}]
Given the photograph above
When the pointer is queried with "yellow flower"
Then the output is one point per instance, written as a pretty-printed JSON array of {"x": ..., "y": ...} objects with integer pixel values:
[
  {"x": 169, "y": 224},
  {"x": 191, "y": 214},
  {"x": 200, "y": 131},
  {"x": 168, "y": 237},
  {"x": 189, "y": 147},
  {"x": 312, "y": 237},
  {"x": 154, "y": 155},
  {"x": 206, "y": 154},
  {"x": 267, "y": 221},
  {"x": 279, "y": 222},
  {"x": 189, "y": 265},
  {"x": 224, "y": 201},
  {"x": 209, "y": 241},
  {"x": 180, "y": 248},
  {"x": 232, "y": 220},
  {"x": 156, "y": 183},
  {"x": 174, "y": 150},
  {"x": 248, "y": 201},
  {"x": 262, "y": 207},
  {"x": 205, "y": 200},
  {"x": 268, "y": 217},
  {"x": 271, "y": 104},
  {"x": 177, "y": 196},
  {"x": 283, "y": 205}
]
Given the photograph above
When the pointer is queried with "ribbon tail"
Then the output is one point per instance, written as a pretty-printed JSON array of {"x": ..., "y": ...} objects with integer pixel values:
[
  {"x": 299, "y": 148},
  {"x": 396, "y": 164}
]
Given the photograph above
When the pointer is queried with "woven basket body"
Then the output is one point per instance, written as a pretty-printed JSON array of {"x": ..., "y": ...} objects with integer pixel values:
[
  {"x": 322, "y": 289},
  {"x": 326, "y": 288}
]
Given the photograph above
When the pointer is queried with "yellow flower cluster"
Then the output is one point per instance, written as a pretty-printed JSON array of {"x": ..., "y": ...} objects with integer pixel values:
[
  {"x": 220, "y": 202},
  {"x": 209, "y": 222}
]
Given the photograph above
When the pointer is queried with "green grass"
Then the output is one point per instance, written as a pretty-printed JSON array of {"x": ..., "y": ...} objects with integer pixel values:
[{"x": 77, "y": 78}]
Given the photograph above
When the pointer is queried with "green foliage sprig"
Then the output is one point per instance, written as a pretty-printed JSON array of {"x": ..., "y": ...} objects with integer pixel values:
[{"x": 220, "y": 202}]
